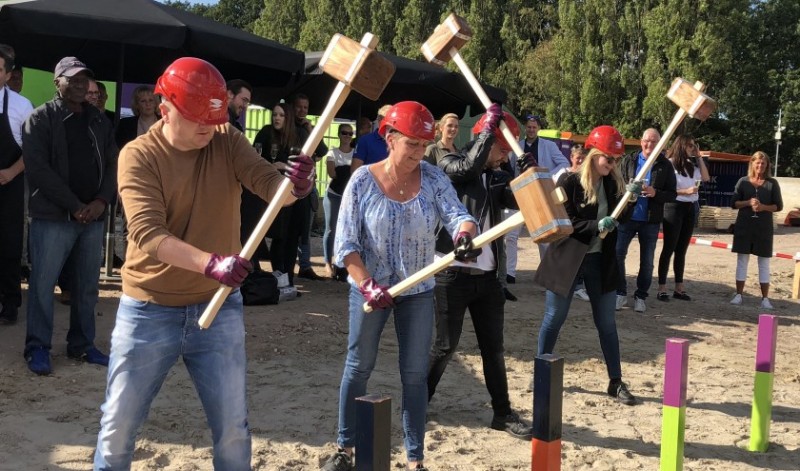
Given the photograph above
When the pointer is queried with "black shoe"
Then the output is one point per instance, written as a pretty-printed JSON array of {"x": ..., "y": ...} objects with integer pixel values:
[
  {"x": 309, "y": 274},
  {"x": 91, "y": 355},
  {"x": 512, "y": 424},
  {"x": 511, "y": 279},
  {"x": 682, "y": 296},
  {"x": 340, "y": 461},
  {"x": 618, "y": 389},
  {"x": 663, "y": 296},
  {"x": 9, "y": 315},
  {"x": 509, "y": 295}
]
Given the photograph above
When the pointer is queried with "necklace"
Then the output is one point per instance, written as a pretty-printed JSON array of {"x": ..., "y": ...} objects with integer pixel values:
[{"x": 394, "y": 182}]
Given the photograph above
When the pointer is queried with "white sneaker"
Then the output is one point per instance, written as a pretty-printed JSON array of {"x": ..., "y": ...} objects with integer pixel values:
[
  {"x": 737, "y": 300},
  {"x": 581, "y": 294},
  {"x": 622, "y": 301},
  {"x": 765, "y": 304},
  {"x": 639, "y": 305}
]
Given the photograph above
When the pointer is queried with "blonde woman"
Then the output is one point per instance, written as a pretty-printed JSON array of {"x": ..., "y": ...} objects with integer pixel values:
[
  {"x": 592, "y": 194},
  {"x": 447, "y": 130},
  {"x": 756, "y": 196}
]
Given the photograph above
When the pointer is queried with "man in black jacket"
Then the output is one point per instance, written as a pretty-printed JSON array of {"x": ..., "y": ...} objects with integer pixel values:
[
  {"x": 71, "y": 164},
  {"x": 473, "y": 281},
  {"x": 659, "y": 188}
]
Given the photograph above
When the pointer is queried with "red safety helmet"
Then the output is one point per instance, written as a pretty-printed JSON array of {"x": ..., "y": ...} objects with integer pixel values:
[
  {"x": 411, "y": 119},
  {"x": 606, "y": 139},
  {"x": 508, "y": 118},
  {"x": 196, "y": 89}
]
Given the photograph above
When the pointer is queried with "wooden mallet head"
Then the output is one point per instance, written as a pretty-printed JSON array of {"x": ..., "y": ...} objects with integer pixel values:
[
  {"x": 358, "y": 65},
  {"x": 453, "y": 33},
  {"x": 691, "y": 99},
  {"x": 541, "y": 205}
]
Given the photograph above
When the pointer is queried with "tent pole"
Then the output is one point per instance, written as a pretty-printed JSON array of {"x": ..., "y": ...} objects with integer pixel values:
[{"x": 111, "y": 217}]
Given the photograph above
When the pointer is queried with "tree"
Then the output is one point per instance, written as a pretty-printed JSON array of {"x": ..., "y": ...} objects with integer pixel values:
[
  {"x": 415, "y": 25},
  {"x": 324, "y": 18},
  {"x": 281, "y": 21}
]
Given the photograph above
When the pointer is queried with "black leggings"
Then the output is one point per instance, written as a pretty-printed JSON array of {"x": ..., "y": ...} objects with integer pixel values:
[{"x": 678, "y": 228}]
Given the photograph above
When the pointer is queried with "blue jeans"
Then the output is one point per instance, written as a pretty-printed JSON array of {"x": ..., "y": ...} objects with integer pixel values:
[
  {"x": 331, "y": 205},
  {"x": 147, "y": 340},
  {"x": 603, "y": 304},
  {"x": 413, "y": 320},
  {"x": 304, "y": 246},
  {"x": 51, "y": 244},
  {"x": 648, "y": 236}
]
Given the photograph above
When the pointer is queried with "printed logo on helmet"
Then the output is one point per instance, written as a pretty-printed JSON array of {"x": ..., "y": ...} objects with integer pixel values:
[{"x": 216, "y": 103}]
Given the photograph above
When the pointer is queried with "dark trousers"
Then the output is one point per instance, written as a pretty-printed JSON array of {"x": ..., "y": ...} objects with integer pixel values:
[
  {"x": 283, "y": 251},
  {"x": 455, "y": 292},
  {"x": 678, "y": 228},
  {"x": 11, "y": 227}
]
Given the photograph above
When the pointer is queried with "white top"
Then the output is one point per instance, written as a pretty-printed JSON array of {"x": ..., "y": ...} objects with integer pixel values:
[
  {"x": 19, "y": 108},
  {"x": 338, "y": 157},
  {"x": 687, "y": 182}
]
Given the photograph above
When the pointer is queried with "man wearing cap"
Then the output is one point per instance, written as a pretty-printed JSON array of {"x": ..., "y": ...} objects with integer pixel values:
[
  {"x": 180, "y": 184},
  {"x": 71, "y": 165},
  {"x": 14, "y": 109}
]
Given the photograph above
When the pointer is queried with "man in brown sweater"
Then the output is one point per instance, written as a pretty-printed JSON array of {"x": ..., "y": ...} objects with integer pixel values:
[{"x": 180, "y": 184}]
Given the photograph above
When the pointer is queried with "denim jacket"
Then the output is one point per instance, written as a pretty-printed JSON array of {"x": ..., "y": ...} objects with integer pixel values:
[{"x": 45, "y": 154}]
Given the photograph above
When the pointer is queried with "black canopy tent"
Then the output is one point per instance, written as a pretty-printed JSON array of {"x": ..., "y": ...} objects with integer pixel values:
[
  {"x": 439, "y": 89},
  {"x": 135, "y": 40}
]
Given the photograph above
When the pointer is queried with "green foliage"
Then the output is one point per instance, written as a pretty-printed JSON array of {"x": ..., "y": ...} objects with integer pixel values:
[
  {"x": 281, "y": 21},
  {"x": 324, "y": 18}
]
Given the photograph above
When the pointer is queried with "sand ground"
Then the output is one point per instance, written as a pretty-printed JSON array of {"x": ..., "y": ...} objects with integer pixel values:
[{"x": 296, "y": 352}]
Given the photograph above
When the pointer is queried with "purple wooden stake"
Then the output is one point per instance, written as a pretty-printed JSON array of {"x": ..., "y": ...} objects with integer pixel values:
[
  {"x": 676, "y": 372},
  {"x": 767, "y": 336}
]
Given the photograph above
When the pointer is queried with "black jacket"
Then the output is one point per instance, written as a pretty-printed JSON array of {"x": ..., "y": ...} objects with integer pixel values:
[
  {"x": 562, "y": 259},
  {"x": 662, "y": 178},
  {"x": 44, "y": 152},
  {"x": 466, "y": 170}
]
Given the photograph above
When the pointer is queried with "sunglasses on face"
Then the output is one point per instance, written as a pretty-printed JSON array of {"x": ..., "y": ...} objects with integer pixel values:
[
  {"x": 346, "y": 133},
  {"x": 612, "y": 160}
]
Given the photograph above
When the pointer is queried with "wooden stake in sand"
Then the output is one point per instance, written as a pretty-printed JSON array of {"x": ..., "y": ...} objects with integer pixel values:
[
  {"x": 373, "y": 432},
  {"x": 548, "y": 393},
  {"x": 765, "y": 374},
  {"x": 673, "y": 423}
]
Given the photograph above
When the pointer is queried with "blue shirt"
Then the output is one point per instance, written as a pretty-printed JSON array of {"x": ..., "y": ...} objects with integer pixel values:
[
  {"x": 396, "y": 239},
  {"x": 371, "y": 148},
  {"x": 640, "y": 210}
]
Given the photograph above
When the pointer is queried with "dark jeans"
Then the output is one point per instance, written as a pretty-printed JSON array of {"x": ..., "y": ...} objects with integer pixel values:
[
  {"x": 52, "y": 243},
  {"x": 557, "y": 308},
  {"x": 283, "y": 251},
  {"x": 678, "y": 228},
  {"x": 331, "y": 205},
  {"x": 483, "y": 295},
  {"x": 11, "y": 229},
  {"x": 648, "y": 236}
]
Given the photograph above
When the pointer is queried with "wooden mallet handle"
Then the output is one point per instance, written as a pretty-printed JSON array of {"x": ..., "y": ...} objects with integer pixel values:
[
  {"x": 428, "y": 271},
  {"x": 673, "y": 126},
  {"x": 335, "y": 102}
]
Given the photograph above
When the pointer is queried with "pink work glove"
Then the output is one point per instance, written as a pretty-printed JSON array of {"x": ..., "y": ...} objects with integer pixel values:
[
  {"x": 230, "y": 271},
  {"x": 377, "y": 296},
  {"x": 494, "y": 114},
  {"x": 301, "y": 173}
]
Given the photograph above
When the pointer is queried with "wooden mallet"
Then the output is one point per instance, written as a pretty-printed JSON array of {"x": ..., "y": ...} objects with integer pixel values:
[
  {"x": 691, "y": 101},
  {"x": 356, "y": 66},
  {"x": 445, "y": 42},
  {"x": 545, "y": 217}
]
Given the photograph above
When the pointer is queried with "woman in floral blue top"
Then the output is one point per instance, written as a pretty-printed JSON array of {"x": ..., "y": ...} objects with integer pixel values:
[{"x": 385, "y": 233}]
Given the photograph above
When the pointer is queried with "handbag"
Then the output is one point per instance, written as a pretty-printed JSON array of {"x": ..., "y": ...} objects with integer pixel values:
[
  {"x": 560, "y": 265},
  {"x": 260, "y": 288}
]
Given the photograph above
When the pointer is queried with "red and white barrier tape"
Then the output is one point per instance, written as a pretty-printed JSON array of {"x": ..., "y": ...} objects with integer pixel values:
[{"x": 724, "y": 245}]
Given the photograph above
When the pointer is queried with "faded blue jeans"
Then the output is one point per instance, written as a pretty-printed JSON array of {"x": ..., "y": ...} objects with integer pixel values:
[
  {"x": 147, "y": 341},
  {"x": 648, "y": 237},
  {"x": 413, "y": 321},
  {"x": 603, "y": 304},
  {"x": 331, "y": 205},
  {"x": 52, "y": 243}
]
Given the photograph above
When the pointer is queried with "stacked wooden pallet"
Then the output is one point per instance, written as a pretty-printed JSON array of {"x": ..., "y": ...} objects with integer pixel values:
[{"x": 712, "y": 217}]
